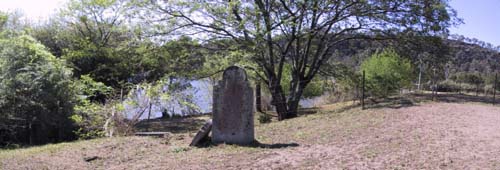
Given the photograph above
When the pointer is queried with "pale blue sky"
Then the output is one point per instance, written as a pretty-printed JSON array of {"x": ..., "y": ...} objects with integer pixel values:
[{"x": 481, "y": 17}]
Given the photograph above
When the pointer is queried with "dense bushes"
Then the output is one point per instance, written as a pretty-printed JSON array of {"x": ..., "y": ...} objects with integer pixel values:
[
  {"x": 36, "y": 98},
  {"x": 452, "y": 85},
  {"x": 448, "y": 86},
  {"x": 386, "y": 72},
  {"x": 91, "y": 113}
]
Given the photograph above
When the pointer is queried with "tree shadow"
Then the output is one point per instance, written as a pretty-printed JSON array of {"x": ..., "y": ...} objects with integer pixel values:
[
  {"x": 258, "y": 144},
  {"x": 395, "y": 102},
  {"x": 455, "y": 98},
  {"x": 413, "y": 99},
  {"x": 173, "y": 125},
  {"x": 307, "y": 111},
  {"x": 254, "y": 144}
]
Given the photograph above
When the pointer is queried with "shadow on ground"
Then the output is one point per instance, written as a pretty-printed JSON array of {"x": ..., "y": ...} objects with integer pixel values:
[
  {"x": 390, "y": 102},
  {"x": 455, "y": 98},
  {"x": 413, "y": 99},
  {"x": 173, "y": 125},
  {"x": 255, "y": 144},
  {"x": 192, "y": 124},
  {"x": 275, "y": 145}
]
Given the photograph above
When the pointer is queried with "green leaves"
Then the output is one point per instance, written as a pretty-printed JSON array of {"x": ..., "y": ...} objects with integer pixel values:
[
  {"x": 386, "y": 72},
  {"x": 34, "y": 87},
  {"x": 88, "y": 87},
  {"x": 313, "y": 89}
]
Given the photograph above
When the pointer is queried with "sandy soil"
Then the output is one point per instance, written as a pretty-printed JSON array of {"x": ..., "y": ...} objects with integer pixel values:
[
  {"x": 432, "y": 136},
  {"x": 426, "y": 136}
]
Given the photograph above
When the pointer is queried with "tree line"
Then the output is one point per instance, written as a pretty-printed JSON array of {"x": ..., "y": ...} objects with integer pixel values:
[{"x": 68, "y": 77}]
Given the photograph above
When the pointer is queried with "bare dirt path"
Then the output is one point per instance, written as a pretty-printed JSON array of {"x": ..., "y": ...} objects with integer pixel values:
[
  {"x": 431, "y": 136},
  {"x": 425, "y": 136}
]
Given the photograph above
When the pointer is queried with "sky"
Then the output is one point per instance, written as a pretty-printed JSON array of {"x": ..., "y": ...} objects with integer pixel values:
[
  {"x": 33, "y": 9},
  {"x": 481, "y": 17}
]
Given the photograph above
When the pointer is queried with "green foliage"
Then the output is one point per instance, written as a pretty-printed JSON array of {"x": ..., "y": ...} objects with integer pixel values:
[
  {"x": 294, "y": 33},
  {"x": 313, "y": 89},
  {"x": 96, "y": 39},
  {"x": 264, "y": 118},
  {"x": 90, "y": 115},
  {"x": 89, "y": 88},
  {"x": 448, "y": 86},
  {"x": 35, "y": 92},
  {"x": 346, "y": 82},
  {"x": 386, "y": 72},
  {"x": 470, "y": 78}
]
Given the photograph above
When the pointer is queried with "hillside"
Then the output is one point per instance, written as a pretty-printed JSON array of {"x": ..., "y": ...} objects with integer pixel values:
[
  {"x": 468, "y": 57},
  {"x": 461, "y": 57},
  {"x": 390, "y": 135}
]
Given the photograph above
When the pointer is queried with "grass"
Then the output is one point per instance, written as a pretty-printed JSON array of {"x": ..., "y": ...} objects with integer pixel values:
[
  {"x": 266, "y": 133},
  {"x": 48, "y": 148},
  {"x": 341, "y": 129}
]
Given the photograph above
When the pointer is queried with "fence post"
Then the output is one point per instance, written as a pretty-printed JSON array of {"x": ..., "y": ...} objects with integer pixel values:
[
  {"x": 495, "y": 88},
  {"x": 363, "y": 92},
  {"x": 258, "y": 96}
]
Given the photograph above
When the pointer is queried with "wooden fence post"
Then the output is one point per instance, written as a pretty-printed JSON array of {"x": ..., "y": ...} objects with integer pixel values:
[
  {"x": 363, "y": 92},
  {"x": 495, "y": 88}
]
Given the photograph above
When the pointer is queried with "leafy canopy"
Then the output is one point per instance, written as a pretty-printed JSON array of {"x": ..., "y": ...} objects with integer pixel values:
[
  {"x": 35, "y": 88},
  {"x": 386, "y": 72}
]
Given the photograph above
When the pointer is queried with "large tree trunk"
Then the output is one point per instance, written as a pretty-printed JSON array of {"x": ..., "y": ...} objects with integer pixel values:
[
  {"x": 279, "y": 101},
  {"x": 296, "y": 90},
  {"x": 287, "y": 108}
]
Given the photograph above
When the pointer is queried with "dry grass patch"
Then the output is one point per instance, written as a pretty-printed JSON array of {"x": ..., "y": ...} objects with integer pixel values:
[{"x": 426, "y": 135}]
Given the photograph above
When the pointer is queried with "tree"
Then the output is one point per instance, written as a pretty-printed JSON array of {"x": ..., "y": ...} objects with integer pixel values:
[
  {"x": 97, "y": 41},
  {"x": 430, "y": 53},
  {"x": 36, "y": 98},
  {"x": 386, "y": 72},
  {"x": 299, "y": 33}
]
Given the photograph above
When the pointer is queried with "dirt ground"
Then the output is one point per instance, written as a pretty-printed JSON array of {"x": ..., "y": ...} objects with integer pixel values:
[{"x": 418, "y": 136}]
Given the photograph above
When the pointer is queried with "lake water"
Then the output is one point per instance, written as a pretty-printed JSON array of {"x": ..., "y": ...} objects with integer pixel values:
[{"x": 201, "y": 91}]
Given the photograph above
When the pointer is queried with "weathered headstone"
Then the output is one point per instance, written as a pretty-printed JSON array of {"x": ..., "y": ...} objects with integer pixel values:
[
  {"x": 233, "y": 108},
  {"x": 202, "y": 135}
]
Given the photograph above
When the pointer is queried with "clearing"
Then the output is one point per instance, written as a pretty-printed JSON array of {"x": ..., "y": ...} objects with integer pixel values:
[{"x": 425, "y": 135}]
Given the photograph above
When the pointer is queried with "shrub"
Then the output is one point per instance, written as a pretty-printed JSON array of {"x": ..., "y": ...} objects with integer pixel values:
[
  {"x": 264, "y": 118},
  {"x": 386, "y": 72},
  {"x": 36, "y": 99},
  {"x": 91, "y": 113},
  {"x": 448, "y": 86},
  {"x": 467, "y": 87}
]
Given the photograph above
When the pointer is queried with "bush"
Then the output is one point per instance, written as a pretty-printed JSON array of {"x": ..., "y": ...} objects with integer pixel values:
[
  {"x": 36, "y": 98},
  {"x": 467, "y": 87},
  {"x": 264, "y": 118},
  {"x": 91, "y": 113},
  {"x": 448, "y": 86},
  {"x": 386, "y": 72}
]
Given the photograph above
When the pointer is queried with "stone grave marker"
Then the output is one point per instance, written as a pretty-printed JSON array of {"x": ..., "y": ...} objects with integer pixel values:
[
  {"x": 202, "y": 135},
  {"x": 233, "y": 108}
]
